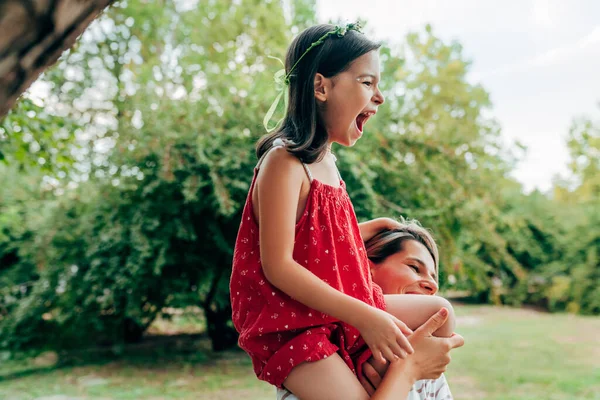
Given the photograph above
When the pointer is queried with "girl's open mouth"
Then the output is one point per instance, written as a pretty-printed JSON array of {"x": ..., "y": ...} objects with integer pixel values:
[{"x": 362, "y": 118}]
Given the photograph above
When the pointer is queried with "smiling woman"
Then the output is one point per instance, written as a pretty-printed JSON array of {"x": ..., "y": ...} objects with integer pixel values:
[{"x": 405, "y": 261}]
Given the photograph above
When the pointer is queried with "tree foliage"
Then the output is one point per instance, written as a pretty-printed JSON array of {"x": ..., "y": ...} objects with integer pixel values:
[{"x": 164, "y": 102}]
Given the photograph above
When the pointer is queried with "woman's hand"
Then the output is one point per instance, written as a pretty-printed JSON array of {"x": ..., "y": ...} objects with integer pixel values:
[
  {"x": 429, "y": 361},
  {"x": 385, "y": 335},
  {"x": 368, "y": 229},
  {"x": 433, "y": 352},
  {"x": 372, "y": 373}
]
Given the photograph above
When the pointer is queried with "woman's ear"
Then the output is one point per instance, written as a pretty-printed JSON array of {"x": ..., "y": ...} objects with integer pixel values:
[
  {"x": 321, "y": 87},
  {"x": 372, "y": 267}
]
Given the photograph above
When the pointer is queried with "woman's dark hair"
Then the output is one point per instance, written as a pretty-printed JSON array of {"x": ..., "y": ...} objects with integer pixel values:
[
  {"x": 302, "y": 124},
  {"x": 389, "y": 242}
]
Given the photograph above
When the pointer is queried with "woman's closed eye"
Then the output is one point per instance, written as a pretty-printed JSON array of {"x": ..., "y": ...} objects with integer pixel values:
[
  {"x": 415, "y": 268},
  {"x": 368, "y": 83}
]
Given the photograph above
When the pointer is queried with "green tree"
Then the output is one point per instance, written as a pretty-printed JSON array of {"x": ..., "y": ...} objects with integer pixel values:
[
  {"x": 577, "y": 275},
  {"x": 33, "y": 137},
  {"x": 169, "y": 99},
  {"x": 170, "y": 126}
]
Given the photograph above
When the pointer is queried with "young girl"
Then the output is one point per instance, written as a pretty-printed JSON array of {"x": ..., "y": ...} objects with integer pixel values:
[{"x": 302, "y": 296}]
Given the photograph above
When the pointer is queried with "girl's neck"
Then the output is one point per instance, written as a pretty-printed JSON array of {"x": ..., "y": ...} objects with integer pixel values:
[{"x": 328, "y": 151}]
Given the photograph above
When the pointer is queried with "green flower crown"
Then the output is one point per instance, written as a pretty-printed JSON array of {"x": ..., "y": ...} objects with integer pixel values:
[{"x": 282, "y": 80}]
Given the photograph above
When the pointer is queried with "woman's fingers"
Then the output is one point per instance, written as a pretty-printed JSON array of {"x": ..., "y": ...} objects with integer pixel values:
[
  {"x": 456, "y": 340},
  {"x": 371, "y": 376},
  {"x": 367, "y": 385},
  {"x": 434, "y": 323}
]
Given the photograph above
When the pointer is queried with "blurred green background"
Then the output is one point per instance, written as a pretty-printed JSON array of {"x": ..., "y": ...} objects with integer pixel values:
[{"x": 125, "y": 168}]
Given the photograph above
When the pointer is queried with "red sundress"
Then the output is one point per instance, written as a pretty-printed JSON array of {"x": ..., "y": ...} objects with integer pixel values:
[{"x": 278, "y": 332}]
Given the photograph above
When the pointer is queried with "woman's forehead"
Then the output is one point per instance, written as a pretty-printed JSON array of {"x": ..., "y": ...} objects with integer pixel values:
[{"x": 418, "y": 251}]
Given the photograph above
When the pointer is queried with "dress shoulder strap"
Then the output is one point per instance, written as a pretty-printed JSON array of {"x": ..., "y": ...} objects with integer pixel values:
[{"x": 310, "y": 177}]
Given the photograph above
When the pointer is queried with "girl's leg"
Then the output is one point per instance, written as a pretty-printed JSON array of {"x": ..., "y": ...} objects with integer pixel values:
[
  {"x": 329, "y": 378},
  {"x": 415, "y": 309}
]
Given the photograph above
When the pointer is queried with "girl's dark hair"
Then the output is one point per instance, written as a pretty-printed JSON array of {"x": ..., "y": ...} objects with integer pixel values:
[
  {"x": 302, "y": 124},
  {"x": 389, "y": 242}
]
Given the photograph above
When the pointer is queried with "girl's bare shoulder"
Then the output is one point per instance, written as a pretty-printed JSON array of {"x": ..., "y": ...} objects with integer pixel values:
[{"x": 278, "y": 163}]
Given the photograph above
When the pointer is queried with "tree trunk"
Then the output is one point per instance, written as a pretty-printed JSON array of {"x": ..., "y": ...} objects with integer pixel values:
[
  {"x": 218, "y": 317},
  {"x": 33, "y": 34},
  {"x": 133, "y": 332},
  {"x": 222, "y": 335}
]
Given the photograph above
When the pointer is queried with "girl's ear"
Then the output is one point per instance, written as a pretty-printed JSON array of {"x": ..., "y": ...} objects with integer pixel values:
[{"x": 321, "y": 87}]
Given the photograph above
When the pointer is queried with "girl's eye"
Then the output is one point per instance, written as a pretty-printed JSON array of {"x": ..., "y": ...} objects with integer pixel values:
[
  {"x": 415, "y": 268},
  {"x": 368, "y": 83}
]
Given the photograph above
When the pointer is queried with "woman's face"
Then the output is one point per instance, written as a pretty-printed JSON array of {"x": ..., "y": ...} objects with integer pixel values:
[{"x": 410, "y": 271}]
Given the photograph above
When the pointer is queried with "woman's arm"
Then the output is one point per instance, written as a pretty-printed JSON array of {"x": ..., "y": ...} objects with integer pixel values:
[
  {"x": 374, "y": 371},
  {"x": 368, "y": 229},
  {"x": 397, "y": 382},
  {"x": 426, "y": 362},
  {"x": 434, "y": 350},
  {"x": 423, "y": 363}
]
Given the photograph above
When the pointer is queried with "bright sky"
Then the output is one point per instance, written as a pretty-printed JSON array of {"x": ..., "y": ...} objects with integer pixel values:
[{"x": 539, "y": 59}]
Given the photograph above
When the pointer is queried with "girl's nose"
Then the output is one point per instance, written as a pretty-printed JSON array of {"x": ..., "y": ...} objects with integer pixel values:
[{"x": 378, "y": 98}]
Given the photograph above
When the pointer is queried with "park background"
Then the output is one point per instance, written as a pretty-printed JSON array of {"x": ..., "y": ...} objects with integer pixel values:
[{"x": 125, "y": 167}]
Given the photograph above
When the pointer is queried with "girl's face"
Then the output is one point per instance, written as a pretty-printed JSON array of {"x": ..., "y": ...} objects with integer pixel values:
[
  {"x": 410, "y": 271},
  {"x": 350, "y": 98}
]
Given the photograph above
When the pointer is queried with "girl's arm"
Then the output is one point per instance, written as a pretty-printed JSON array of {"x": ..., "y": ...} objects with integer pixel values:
[
  {"x": 279, "y": 187},
  {"x": 368, "y": 229}
]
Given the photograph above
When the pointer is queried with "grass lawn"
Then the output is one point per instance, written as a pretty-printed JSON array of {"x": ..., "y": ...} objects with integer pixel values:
[{"x": 509, "y": 354}]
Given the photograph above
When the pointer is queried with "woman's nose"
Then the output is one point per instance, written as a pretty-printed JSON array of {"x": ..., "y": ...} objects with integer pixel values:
[{"x": 429, "y": 286}]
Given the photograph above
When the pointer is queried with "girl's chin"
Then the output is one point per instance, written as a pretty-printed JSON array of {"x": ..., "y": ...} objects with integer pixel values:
[
  {"x": 350, "y": 137},
  {"x": 354, "y": 133}
]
